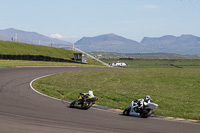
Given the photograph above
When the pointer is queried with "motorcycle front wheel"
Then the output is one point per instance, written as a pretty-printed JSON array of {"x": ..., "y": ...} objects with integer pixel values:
[
  {"x": 126, "y": 111},
  {"x": 146, "y": 113},
  {"x": 72, "y": 104}
]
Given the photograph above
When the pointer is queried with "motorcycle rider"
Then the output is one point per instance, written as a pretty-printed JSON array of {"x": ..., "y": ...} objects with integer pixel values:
[
  {"x": 90, "y": 94},
  {"x": 86, "y": 95},
  {"x": 141, "y": 107},
  {"x": 148, "y": 99},
  {"x": 142, "y": 102}
]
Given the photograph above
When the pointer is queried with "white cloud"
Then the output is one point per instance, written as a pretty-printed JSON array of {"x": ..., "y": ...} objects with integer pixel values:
[
  {"x": 56, "y": 35},
  {"x": 149, "y": 6}
]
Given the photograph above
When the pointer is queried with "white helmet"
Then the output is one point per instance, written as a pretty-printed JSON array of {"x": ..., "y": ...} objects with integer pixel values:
[
  {"x": 147, "y": 98},
  {"x": 90, "y": 93}
]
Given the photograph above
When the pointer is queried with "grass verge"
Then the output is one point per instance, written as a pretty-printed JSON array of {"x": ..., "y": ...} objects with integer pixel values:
[
  {"x": 15, "y": 63},
  {"x": 176, "y": 91}
]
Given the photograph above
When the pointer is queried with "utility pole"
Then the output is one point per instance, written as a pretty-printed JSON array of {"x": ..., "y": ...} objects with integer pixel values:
[
  {"x": 15, "y": 37},
  {"x": 73, "y": 47},
  {"x": 3, "y": 37}
]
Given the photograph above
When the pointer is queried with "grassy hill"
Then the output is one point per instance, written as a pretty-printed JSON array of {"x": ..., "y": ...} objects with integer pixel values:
[{"x": 15, "y": 48}]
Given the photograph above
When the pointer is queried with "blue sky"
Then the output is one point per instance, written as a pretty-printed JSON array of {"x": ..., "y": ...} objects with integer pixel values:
[{"x": 73, "y": 19}]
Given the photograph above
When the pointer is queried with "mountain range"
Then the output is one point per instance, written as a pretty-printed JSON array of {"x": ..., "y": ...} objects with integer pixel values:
[
  {"x": 184, "y": 44},
  {"x": 30, "y": 37}
]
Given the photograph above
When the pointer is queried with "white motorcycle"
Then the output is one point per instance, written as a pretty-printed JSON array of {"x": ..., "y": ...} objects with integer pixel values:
[{"x": 144, "y": 111}]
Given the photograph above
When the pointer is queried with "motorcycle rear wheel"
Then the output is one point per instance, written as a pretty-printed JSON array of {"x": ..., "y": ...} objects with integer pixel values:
[{"x": 88, "y": 106}]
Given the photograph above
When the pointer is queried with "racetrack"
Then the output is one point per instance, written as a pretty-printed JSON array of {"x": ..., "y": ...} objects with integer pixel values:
[{"x": 24, "y": 111}]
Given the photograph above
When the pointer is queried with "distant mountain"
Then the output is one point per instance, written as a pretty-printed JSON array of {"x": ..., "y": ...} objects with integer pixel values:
[
  {"x": 106, "y": 43},
  {"x": 187, "y": 40},
  {"x": 185, "y": 44},
  {"x": 165, "y": 40},
  {"x": 105, "y": 39},
  {"x": 30, "y": 37}
]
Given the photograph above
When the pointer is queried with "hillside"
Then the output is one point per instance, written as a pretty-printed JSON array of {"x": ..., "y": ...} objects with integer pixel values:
[
  {"x": 31, "y": 38},
  {"x": 16, "y": 48}
]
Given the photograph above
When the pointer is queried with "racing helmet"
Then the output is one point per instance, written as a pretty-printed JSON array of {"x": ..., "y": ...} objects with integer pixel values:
[
  {"x": 147, "y": 98},
  {"x": 90, "y": 93}
]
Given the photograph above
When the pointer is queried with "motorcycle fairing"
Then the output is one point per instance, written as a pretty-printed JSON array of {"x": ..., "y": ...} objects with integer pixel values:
[{"x": 132, "y": 111}]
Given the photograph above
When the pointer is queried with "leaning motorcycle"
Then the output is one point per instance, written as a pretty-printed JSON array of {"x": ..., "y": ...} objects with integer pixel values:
[
  {"x": 144, "y": 111},
  {"x": 83, "y": 104}
]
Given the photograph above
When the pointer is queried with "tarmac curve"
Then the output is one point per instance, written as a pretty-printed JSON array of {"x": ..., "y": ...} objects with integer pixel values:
[{"x": 24, "y": 111}]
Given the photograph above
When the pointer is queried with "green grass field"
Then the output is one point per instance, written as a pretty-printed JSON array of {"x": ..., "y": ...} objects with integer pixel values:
[
  {"x": 176, "y": 91},
  {"x": 17, "y": 63},
  {"x": 168, "y": 56},
  {"x": 155, "y": 63}
]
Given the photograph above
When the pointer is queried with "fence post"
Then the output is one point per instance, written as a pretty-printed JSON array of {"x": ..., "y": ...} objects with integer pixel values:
[
  {"x": 15, "y": 37},
  {"x": 11, "y": 39}
]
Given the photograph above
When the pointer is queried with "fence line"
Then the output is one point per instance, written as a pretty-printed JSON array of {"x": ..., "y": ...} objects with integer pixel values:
[{"x": 13, "y": 38}]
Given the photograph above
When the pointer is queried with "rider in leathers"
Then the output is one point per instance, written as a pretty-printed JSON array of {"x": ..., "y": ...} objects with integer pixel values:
[
  {"x": 86, "y": 95},
  {"x": 142, "y": 102}
]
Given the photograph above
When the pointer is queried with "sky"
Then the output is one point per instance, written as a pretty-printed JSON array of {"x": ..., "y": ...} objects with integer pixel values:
[{"x": 73, "y": 19}]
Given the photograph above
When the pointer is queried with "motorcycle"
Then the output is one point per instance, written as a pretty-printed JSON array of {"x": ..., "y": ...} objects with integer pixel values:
[
  {"x": 83, "y": 101},
  {"x": 144, "y": 111}
]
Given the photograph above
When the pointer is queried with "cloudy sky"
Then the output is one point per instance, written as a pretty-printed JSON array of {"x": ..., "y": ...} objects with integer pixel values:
[{"x": 74, "y": 19}]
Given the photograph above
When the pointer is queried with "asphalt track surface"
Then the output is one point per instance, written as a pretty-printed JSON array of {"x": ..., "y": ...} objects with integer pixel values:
[{"x": 24, "y": 111}]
